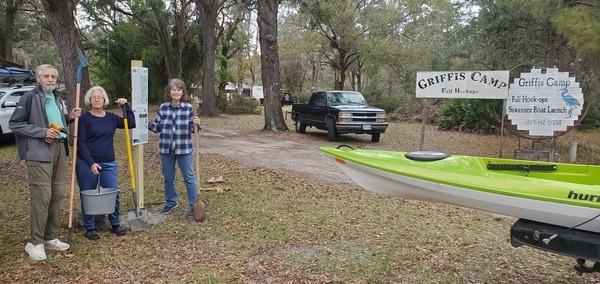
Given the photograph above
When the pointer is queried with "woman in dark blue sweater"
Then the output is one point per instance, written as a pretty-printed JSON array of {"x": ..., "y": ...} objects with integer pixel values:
[{"x": 96, "y": 153}]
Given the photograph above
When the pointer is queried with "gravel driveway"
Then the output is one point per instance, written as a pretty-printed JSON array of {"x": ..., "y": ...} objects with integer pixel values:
[{"x": 281, "y": 154}]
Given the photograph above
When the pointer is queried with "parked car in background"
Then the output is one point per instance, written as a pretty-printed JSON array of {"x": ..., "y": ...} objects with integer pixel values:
[
  {"x": 9, "y": 97},
  {"x": 287, "y": 99},
  {"x": 257, "y": 94},
  {"x": 340, "y": 112}
]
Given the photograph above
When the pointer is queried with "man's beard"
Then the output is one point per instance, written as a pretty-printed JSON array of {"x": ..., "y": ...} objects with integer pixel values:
[{"x": 49, "y": 88}]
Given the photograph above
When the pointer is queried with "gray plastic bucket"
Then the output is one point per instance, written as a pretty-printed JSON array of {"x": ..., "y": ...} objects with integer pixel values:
[{"x": 99, "y": 201}]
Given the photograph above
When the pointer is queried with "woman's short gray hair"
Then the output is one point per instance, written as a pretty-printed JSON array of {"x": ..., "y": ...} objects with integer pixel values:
[{"x": 87, "y": 100}]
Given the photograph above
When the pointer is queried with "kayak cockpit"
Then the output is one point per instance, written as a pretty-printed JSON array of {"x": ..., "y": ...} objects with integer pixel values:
[{"x": 426, "y": 156}]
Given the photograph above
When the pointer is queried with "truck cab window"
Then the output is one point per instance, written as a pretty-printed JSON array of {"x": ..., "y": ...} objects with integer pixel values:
[{"x": 319, "y": 99}]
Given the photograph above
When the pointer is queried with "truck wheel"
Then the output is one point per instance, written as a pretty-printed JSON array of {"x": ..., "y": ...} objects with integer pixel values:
[
  {"x": 300, "y": 127},
  {"x": 375, "y": 137},
  {"x": 331, "y": 132}
]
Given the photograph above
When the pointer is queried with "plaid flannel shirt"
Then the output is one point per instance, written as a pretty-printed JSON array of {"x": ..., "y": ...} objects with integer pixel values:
[{"x": 176, "y": 126}]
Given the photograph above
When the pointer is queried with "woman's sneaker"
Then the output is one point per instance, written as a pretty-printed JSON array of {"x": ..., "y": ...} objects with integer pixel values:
[
  {"x": 92, "y": 234},
  {"x": 36, "y": 253},
  {"x": 118, "y": 230},
  {"x": 168, "y": 209}
]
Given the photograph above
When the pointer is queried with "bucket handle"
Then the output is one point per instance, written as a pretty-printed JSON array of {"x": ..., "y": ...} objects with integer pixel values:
[{"x": 98, "y": 186}]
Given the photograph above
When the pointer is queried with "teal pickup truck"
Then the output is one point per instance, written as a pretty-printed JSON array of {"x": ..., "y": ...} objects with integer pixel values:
[{"x": 340, "y": 112}]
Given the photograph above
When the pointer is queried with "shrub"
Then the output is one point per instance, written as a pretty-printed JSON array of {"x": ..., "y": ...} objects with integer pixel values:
[
  {"x": 592, "y": 119},
  {"x": 238, "y": 104},
  {"x": 471, "y": 115},
  {"x": 301, "y": 97},
  {"x": 397, "y": 107}
]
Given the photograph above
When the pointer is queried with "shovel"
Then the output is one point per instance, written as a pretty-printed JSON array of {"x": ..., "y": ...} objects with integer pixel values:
[
  {"x": 199, "y": 205},
  {"x": 138, "y": 218},
  {"x": 82, "y": 64}
]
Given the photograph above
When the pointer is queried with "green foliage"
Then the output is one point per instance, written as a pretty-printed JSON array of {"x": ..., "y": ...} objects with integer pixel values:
[
  {"x": 232, "y": 42},
  {"x": 224, "y": 74},
  {"x": 592, "y": 119},
  {"x": 470, "y": 115},
  {"x": 143, "y": 30},
  {"x": 506, "y": 35},
  {"x": 578, "y": 21},
  {"x": 302, "y": 97},
  {"x": 293, "y": 74},
  {"x": 376, "y": 97},
  {"x": 110, "y": 63},
  {"x": 393, "y": 94},
  {"x": 518, "y": 35},
  {"x": 32, "y": 45},
  {"x": 192, "y": 60},
  {"x": 238, "y": 104},
  {"x": 384, "y": 42},
  {"x": 580, "y": 26},
  {"x": 222, "y": 102}
]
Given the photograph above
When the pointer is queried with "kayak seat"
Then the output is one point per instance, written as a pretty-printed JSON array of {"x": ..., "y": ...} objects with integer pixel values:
[{"x": 426, "y": 156}]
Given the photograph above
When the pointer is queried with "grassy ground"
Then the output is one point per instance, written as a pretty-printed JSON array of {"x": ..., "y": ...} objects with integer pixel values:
[{"x": 285, "y": 227}]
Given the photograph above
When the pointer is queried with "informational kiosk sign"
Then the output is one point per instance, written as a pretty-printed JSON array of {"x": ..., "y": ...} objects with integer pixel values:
[
  {"x": 463, "y": 84},
  {"x": 544, "y": 101},
  {"x": 139, "y": 104}
]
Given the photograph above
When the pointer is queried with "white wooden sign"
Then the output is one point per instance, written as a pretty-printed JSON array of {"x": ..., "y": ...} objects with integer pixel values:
[
  {"x": 463, "y": 84},
  {"x": 139, "y": 104},
  {"x": 544, "y": 101}
]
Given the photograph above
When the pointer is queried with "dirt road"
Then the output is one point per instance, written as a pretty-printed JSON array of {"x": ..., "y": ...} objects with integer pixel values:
[{"x": 281, "y": 154}]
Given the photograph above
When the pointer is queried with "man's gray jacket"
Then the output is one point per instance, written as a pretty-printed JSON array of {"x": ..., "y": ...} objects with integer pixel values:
[{"x": 29, "y": 122}]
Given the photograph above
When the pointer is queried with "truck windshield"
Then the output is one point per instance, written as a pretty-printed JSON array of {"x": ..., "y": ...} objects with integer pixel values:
[{"x": 344, "y": 98}]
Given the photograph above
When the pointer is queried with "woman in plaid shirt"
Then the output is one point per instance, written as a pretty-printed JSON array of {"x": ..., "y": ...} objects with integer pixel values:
[{"x": 175, "y": 123}]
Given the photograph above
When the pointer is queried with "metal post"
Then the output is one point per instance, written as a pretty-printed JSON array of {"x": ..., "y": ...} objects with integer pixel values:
[
  {"x": 572, "y": 152},
  {"x": 422, "y": 146},
  {"x": 502, "y": 128}
]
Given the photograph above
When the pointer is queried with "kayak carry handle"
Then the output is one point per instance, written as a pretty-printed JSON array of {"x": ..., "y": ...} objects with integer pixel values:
[
  {"x": 521, "y": 167},
  {"x": 344, "y": 146}
]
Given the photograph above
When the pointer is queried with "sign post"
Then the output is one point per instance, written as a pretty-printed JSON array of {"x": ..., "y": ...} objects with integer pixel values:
[{"x": 139, "y": 104}]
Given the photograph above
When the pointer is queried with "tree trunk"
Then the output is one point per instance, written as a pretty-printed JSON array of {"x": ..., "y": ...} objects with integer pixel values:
[
  {"x": 226, "y": 37},
  {"x": 224, "y": 66},
  {"x": 314, "y": 66},
  {"x": 209, "y": 9},
  {"x": 269, "y": 58},
  {"x": 358, "y": 72},
  {"x": 341, "y": 70},
  {"x": 181, "y": 22},
  {"x": 165, "y": 42},
  {"x": 12, "y": 7},
  {"x": 60, "y": 21}
]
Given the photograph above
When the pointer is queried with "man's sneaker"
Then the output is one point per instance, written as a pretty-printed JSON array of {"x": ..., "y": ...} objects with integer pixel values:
[
  {"x": 191, "y": 212},
  {"x": 168, "y": 209},
  {"x": 36, "y": 252},
  {"x": 57, "y": 245}
]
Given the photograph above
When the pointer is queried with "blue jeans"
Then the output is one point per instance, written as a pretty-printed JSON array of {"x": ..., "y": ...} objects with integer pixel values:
[
  {"x": 87, "y": 180},
  {"x": 185, "y": 163}
]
